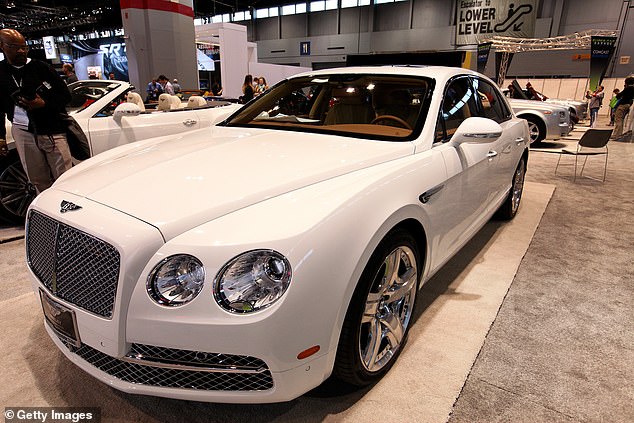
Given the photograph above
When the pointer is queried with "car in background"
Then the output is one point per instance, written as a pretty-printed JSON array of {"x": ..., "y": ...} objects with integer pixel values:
[
  {"x": 546, "y": 121},
  {"x": 577, "y": 109},
  {"x": 248, "y": 261},
  {"x": 92, "y": 105}
]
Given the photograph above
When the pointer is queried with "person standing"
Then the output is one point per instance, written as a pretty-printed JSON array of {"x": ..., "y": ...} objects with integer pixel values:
[
  {"x": 68, "y": 70},
  {"x": 625, "y": 103},
  {"x": 176, "y": 86},
  {"x": 247, "y": 89},
  {"x": 33, "y": 96},
  {"x": 154, "y": 90},
  {"x": 614, "y": 102},
  {"x": 166, "y": 84},
  {"x": 596, "y": 100}
]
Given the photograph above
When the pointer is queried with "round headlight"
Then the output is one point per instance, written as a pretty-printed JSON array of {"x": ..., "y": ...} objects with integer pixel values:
[
  {"x": 252, "y": 281},
  {"x": 176, "y": 280}
]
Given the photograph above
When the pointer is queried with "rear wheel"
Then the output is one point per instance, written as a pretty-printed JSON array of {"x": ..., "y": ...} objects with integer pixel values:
[
  {"x": 16, "y": 192},
  {"x": 377, "y": 321},
  {"x": 509, "y": 208}
]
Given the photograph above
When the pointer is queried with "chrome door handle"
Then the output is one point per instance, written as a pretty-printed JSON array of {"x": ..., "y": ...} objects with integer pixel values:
[
  {"x": 491, "y": 154},
  {"x": 424, "y": 197},
  {"x": 519, "y": 140},
  {"x": 189, "y": 122}
]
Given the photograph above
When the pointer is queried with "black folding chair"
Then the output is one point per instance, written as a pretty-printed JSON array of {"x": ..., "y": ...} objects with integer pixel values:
[{"x": 593, "y": 143}]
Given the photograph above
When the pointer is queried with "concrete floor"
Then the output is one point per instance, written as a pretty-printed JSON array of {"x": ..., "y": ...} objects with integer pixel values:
[{"x": 558, "y": 345}]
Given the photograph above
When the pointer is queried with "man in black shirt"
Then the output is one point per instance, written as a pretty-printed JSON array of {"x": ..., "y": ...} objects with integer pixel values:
[
  {"x": 625, "y": 104},
  {"x": 34, "y": 97}
]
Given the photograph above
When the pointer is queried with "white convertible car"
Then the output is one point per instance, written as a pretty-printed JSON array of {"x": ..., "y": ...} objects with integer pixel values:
[
  {"x": 92, "y": 106},
  {"x": 249, "y": 261}
]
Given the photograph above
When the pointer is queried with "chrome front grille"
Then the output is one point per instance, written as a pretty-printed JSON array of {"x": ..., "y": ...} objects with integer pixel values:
[
  {"x": 216, "y": 372},
  {"x": 194, "y": 358},
  {"x": 73, "y": 265}
]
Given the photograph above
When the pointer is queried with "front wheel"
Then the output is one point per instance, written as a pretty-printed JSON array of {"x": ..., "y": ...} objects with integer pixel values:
[
  {"x": 377, "y": 321},
  {"x": 16, "y": 192},
  {"x": 509, "y": 208},
  {"x": 536, "y": 129}
]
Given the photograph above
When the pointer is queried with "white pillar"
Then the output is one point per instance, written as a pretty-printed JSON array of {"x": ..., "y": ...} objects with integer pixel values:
[{"x": 160, "y": 39}]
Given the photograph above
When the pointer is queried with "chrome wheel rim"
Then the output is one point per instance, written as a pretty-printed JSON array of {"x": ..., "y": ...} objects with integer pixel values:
[
  {"x": 16, "y": 192},
  {"x": 518, "y": 186},
  {"x": 533, "y": 130},
  {"x": 388, "y": 309}
]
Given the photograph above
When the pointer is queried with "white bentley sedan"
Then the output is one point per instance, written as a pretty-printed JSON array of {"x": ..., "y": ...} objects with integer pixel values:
[{"x": 250, "y": 261}]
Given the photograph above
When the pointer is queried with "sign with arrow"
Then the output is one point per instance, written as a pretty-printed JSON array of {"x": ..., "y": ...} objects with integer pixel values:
[{"x": 477, "y": 20}]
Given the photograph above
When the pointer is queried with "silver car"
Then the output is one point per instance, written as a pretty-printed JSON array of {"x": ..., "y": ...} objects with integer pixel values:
[{"x": 545, "y": 120}]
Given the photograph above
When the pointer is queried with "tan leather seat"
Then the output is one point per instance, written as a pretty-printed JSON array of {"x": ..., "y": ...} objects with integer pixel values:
[
  {"x": 168, "y": 102},
  {"x": 135, "y": 98},
  {"x": 351, "y": 107},
  {"x": 396, "y": 102},
  {"x": 196, "y": 101}
]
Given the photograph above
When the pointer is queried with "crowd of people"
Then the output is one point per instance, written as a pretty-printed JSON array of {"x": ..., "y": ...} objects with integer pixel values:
[{"x": 161, "y": 85}]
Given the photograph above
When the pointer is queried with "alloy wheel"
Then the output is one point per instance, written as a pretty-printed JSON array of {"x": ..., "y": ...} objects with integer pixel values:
[{"x": 388, "y": 309}]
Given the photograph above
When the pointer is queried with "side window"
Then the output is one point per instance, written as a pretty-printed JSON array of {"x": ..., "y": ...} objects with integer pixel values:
[
  {"x": 493, "y": 106},
  {"x": 459, "y": 103}
]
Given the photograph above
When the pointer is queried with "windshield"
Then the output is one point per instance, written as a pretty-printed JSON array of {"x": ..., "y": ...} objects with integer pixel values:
[
  {"x": 389, "y": 107},
  {"x": 84, "y": 93}
]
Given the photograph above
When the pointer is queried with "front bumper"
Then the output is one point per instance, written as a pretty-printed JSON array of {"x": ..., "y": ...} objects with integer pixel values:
[
  {"x": 185, "y": 383},
  {"x": 106, "y": 346}
]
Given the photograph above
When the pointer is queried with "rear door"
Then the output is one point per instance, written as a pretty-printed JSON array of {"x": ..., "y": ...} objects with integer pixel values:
[{"x": 493, "y": 106}]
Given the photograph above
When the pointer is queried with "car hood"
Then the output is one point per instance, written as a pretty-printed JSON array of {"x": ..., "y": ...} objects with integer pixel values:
[{"x": 178, "y": 183}]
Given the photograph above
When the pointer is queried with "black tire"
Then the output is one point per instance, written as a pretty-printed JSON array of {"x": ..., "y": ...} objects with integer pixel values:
[
  {"x": 393, "y": 298},
  {"x": 16, "y": 192},
  {"x": 508, "y": 209},
  {"x": 536, "y": 129}
]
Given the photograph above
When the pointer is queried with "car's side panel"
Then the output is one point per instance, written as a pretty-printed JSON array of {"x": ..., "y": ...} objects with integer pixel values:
[{"x": 107, "y": 133}]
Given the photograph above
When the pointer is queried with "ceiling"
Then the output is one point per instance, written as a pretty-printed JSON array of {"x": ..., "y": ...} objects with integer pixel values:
[{"x": 35, "y": 18}]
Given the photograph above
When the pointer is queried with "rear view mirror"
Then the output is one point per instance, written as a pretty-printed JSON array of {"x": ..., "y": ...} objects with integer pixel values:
[
  {"x": 477, "y": 130},
  {"x": 126, "y": 109}
]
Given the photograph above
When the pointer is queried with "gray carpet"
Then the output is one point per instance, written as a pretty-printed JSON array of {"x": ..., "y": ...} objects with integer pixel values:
[{"x": 562, "y": 347}]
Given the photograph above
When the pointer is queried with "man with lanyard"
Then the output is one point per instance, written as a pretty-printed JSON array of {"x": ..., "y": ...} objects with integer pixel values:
[{"x": 33, "y": 96}]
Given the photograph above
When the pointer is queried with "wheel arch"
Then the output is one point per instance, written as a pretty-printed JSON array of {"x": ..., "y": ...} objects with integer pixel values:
[
  {"x": 539, "y": 120},
  {"x": 412, "y": 220}
]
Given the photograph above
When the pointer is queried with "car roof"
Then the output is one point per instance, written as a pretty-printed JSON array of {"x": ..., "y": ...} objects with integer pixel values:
[{"x": 436, "y": 72}]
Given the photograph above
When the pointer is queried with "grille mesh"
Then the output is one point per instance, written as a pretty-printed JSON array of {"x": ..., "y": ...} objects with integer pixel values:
[
  {"x": 73, "y": 265},
  {"x": 176, "y": 378}
]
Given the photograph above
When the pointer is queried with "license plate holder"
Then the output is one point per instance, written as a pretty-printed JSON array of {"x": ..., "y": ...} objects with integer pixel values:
[{"x": 61, "y": 319}]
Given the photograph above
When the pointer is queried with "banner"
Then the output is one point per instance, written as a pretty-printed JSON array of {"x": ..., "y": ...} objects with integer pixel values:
[
  {"x": 483, "y": 56},
  {"x": 600, "y": 55},
  {"x": 477, "y": 20},
  {"x": 50, "y": 49}
]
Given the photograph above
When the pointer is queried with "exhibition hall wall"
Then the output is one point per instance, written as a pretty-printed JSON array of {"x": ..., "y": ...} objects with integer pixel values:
[{"x": 429, "y": 25}]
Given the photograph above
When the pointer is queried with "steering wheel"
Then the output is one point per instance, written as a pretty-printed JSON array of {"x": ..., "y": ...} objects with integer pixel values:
[{"x": 392, "y": 118}]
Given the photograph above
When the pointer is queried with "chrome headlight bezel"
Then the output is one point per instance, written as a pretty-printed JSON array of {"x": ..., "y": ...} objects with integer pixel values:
[
  {"x": 154, "y": 291},
  {"x": 274, "y": 272}
]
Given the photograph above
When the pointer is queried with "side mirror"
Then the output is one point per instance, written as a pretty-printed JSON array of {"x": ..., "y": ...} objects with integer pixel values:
[
  {"x": 477, "y": 130},
  {"x": 126, "y": 109}
]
